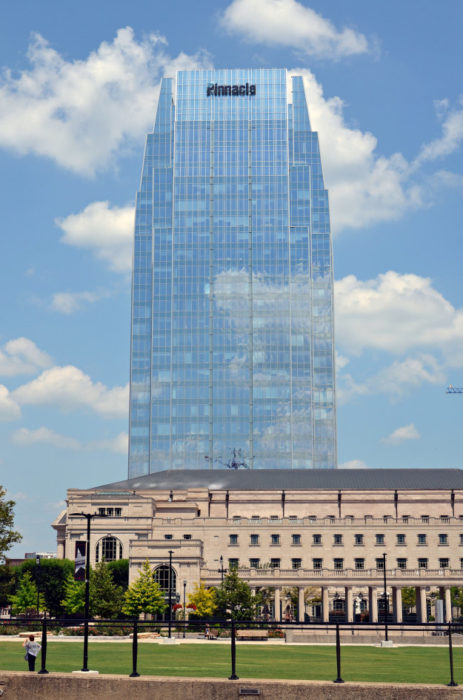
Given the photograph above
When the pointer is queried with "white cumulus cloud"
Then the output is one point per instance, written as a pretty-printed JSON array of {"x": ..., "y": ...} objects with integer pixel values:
[
  {"x": 81, "y": 113},
  {"x": 69, "y": 302},
  {"x": 397, "y": 313},
  {"x": 406, "y": 432},
  {"x": 9, "y": 409},
  {"x": 106, "y": 231},
  {"x": 22, "y": 356},
  {"x": 452, "y": 133},
  {"x": 70, "y": 388},
  {"x": 290, "y": 23},
  {"x": 46, "y": 436},
  {"x": 353, "y": 464}
]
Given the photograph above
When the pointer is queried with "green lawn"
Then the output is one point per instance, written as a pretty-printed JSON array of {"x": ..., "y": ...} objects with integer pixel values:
[{"x": 407, "y": 664}]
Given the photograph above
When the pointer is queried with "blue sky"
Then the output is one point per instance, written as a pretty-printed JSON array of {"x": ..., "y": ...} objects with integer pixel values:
[{"x": 78, "y": 90}]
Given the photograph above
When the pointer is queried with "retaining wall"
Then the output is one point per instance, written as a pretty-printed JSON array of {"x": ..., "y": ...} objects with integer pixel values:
[{"x": 56, "y": 686}]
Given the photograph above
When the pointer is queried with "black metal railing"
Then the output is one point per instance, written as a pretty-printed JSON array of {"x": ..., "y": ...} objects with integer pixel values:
[{"x": 229, "y": 630}]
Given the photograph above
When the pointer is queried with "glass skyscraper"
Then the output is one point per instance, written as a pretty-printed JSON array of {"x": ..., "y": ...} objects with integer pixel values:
[{"x": 232, "y": 301}]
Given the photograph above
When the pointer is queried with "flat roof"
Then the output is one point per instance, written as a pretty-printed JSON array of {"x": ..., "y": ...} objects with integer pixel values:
[{"x": 292, "y": 479}]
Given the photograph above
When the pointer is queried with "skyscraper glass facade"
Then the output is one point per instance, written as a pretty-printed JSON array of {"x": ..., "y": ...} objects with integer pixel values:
[{"x": 232, "y": 301}]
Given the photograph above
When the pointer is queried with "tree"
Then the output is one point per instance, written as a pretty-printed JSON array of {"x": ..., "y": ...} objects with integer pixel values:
[
  {"x": 106, "y": 597},
  {"x": 74, "y": 596},
  {"x": 234, "y": 598},
  {"x": 8, "y": 536},
  {"x": 204, "y": 599},
  {"x": 50, "y": 576},
  {"x": 120, "y": 571},
  {"x": 25, "y": 599},
  {"x": 144, "y": 595},
  {"x": 408, "y": 597},
  {"x": 7, "y": 584},
  {"x": 457, "y": 597}
]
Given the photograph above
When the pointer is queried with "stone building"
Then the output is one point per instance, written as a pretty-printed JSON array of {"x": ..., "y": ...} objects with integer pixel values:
[{"x": 323, "y": 530}]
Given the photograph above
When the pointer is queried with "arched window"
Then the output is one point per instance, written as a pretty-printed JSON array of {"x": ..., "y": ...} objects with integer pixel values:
[
  {"x": 161, "y": 576},
  {"x": 108, "y": 549}
]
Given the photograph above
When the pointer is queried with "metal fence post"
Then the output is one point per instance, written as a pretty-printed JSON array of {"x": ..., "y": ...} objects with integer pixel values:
[
  {"x": 233, "y": 676},
  {"x": 134, "y": 673},
  {"x": 338, "y": 656},
  {"x": 43, "y": 668},
  {"x": 452, "y": 681}
]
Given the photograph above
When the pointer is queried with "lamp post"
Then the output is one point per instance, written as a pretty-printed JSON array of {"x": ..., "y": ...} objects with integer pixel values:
[
  {"x": 37, "y": 562},
  {"x": 386, "y": 604},
  {"x": 89, "y": 517},
  {"x": 184, "y": 608},
  {"x": 170, "y": 592},
  {"x": 221, "y": 570}
]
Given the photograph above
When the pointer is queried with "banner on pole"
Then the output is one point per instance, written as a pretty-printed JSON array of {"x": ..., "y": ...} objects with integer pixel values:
[{"x": 79, "y": 569}]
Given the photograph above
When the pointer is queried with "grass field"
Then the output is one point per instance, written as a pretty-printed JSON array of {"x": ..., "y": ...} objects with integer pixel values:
[{"x": 405, "y": 665}]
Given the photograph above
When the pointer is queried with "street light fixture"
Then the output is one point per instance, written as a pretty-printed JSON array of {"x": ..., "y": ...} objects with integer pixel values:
[
  {"x": 184, "y": 608},
  {"x": 221, "y": 570},
  {"x": 386, "y": 603},
  {"x": 37, "y": 561},
  {"x": 170, "y": 592},
  {"x": 89, "y": 517}
]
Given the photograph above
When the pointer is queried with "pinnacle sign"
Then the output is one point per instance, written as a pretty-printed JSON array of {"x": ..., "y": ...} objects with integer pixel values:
[{"x": 221, "y": 90}]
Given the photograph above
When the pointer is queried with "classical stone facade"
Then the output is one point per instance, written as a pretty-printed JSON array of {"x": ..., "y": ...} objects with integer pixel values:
[{"x": 326, "y": 531}]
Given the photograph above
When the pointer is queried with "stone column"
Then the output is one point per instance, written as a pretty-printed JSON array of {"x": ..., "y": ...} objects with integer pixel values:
[
  {"x": 325, "y": 605},
  {"x": 276, "y": 612},
  {"x": 349, "y": 603},
  {"x": 373, "y": 603},
  {"x": 397, "y": 594},
  {"x": 301, "y": 605},
  {"x": 421, "y": 611},
  {"x": 448, "y": 605}
]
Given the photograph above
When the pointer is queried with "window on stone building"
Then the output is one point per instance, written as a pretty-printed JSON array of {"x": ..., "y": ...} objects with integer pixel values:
[
  {"x": 312, "y": 518},
  {"x": 337, "y": 539},
  {"x": 444, "y": 518},
  {"x": 443, "y": 539},
  {"x": 405, "y": 518},
  {"x": 296, "y": 539},
  {"x": 401, "y": 563},
  {"x": 380, "y": 563},
  {"x": 316, "y": 539},
  {"x": 422, "y": 563},
  {"x": 108, "y": 549},
  {"x": 461, "y": 562},
  {"x": 233, "y": 539},
  {"x": 422, "y": 539},
  {"x": 443, "y": 563},
  {"x": 255, "y": 517},
  {"x": 166, "y": 578},
  {"x": 359, "y": 563},
  {"x": 233, "y": 563},
  {"x": 386, "y": 518},
  {"x": 275, "y": 539},
  {"x": 379, "y": 539},
  {"x": 110, "y": 512},
  {"x": 254, "y": 539},
  {"x": 425, "y": 518},
  {"x": 331, "y": 518},
  {"x": 236, "y": 517},
  {"x": 317, "y": 563},
  {"x": 461, "y": 539},
  {"x": 297, "y": 563},
  {"x": 293, "y": 517},
  {"x": 358, "y": 540},
  {"x": 274, "y": 517},
  {"x": 168, "y": 537},
  {"x": 102, "y": 511},
  {"x": 338, "y": 563},
  {"x": 254, "y": 563},
  {"x": 274, "y": 563},
  {"x": 118, "y": 512},
  {"x": 400, "y": 539}
]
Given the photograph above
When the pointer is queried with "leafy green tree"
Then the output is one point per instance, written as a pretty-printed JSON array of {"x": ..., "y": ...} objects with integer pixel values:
[
  {"x": 50, "y": 576},
  {"x": 120, "y": 572},
  {"x": 457, "y": 597},
  {"x": 106, "y": 598},
  {"x": 7, "y": 584},
  {"x": 74, "y": 596},
  {"x": 408, "y": 597},
  {"x": 234, "y": 598},
  {"x": 204, "y": 599},
  {"x": 8, "y": 536},
  {"x": 25, "y": 599},
  {"x": 144, "y": 595}
]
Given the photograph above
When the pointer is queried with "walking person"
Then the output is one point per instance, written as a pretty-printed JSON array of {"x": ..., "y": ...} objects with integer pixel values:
[{"x": 32, "y": 649}]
